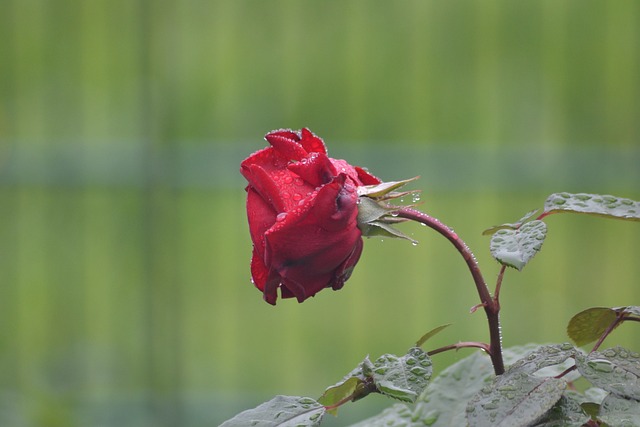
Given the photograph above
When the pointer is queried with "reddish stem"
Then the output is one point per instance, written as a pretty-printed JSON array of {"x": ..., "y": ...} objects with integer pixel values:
[
  {"x": 619, "y": 319},
  {"x": 491, "y": 307},
  {"x": 458, "y": 346},
  {"x": 496, "y": 294}
]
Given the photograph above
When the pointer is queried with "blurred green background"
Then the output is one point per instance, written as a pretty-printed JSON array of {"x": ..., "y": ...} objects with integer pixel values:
[{"x": 124, "y": 249}]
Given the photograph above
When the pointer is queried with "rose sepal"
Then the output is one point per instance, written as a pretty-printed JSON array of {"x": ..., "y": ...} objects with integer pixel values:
[
  {"x": 384, "y": 190},
  {"x": 375, "y": 215}
]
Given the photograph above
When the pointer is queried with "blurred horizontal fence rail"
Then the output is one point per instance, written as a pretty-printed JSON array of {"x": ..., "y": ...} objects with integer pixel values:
[{"x": 215, "y": 166}]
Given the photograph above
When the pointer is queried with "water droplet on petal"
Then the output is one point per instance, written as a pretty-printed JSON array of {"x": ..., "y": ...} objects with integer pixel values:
[{"x": 281, "y": 217}]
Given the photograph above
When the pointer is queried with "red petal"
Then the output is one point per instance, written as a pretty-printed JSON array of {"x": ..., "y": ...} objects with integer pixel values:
[
  {"x": 344, "y": 271},
  {"x": 264, "y": 184},
  {"x": 366, "y": 178},
  {"x": 287, "y": 133},
  {"x": 316, "y": 169},
  {"x": 335, "y": 204},
  {"x": 285, "y": 146},
  {"x": 311, "y": 142},
  {"x": 261, "y": 218},
  {"x": 259, "y": 271}
]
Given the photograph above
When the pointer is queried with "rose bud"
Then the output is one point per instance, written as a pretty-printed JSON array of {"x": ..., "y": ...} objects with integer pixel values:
[{"x": 302, "y": 208}]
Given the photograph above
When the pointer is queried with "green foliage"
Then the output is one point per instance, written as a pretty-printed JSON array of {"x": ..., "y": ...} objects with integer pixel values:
[
  {"x": 593, "y": 204},
  {"x": 430, "y": 334},
  {"x": 512, "y": 225},
  {"x": 402, "y": 378},
  {"x": 616, "y": 411},
  {"x": 281, "y": 411},
  {"x": 616, "y": 370},
  {"x": 515, "y": 248},
  {"x": 515, "y": 398},
  {"x": 588, "y": 325},
  {"x": 537, "y": 387}
]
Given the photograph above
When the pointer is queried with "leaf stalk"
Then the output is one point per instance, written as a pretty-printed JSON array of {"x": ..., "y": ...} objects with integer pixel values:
[{"x": 490, "y": 305}]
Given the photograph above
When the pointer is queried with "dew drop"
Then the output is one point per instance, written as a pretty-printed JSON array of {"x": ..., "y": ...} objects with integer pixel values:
[
  {"x": 288, "y": 179},
  {"x": 298, "y": 181},
  {"x": 281, "y": 217},
  {"x": 297, "y": 197},
  {"x": 601, "y": 365}
]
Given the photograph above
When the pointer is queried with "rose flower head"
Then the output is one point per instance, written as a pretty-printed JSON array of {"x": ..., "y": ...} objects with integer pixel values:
[{"x": 302, "y": 208}]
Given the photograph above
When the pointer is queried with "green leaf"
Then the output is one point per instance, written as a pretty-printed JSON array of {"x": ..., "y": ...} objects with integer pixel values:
[
  {"x": 589, "y": 325},
  {"x": 398, "y": 415},
  {"x": 593, "y": 204},
  {"x": 513, "y": 226},
  {"x": 281, "y": 411},
  {"x": 617, "y": 411},
  {"x": 402, "y": 378},
  {"x": 516, "y": 399},
  {"x": 616, "y": 370},
  {"x": 369, "y": 210},
  {"x": 515, "y": 248},
  {"x": 545, "y": 356},
  {"x": 566, "y": 413},
  {"x": 341, "y": 391},
  {"x": 444, "y": 402},
  {"x": 430, "y": 334},
  {"x": 382, "y": 228}
]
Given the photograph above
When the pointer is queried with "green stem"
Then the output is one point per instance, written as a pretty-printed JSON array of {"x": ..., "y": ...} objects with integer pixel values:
[{"x": 491, "y": 307}]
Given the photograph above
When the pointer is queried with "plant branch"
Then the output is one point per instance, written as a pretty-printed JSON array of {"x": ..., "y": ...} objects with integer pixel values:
[
  {"x": 458, "y": 346},
  {"x": 491, "y": 308},
  {"x": 619, "y": 319},
  {"x": 496, "y": 294}
]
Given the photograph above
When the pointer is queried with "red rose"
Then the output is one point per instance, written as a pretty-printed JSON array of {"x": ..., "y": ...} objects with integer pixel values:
[{"x": 302, "y": 211}]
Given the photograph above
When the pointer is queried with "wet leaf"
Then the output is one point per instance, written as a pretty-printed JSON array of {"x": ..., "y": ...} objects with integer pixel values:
[
  {"x": 545, "y": 356},
  {"x": 369, "y": 210},
  {"x": 515, "y": 399},
  {"x": 589, "y": 325},
  {"x": 398, "y": 415},
  {"x": 383, "y": 229},
  {"x": 617, "y": 411},
  {"x": 593, "y": 204},
  {"x": 430, "y": 334},
  {"x": 281, "y": 411},
  {"x": 443, "y": 403},
  {"x": 515, "y": 248},
  {"x": 512, "y": 226},
  {"x": 616, "y": 370},
  {"x": 566, "y": 413},
  {"x": 339, "y": 392},
  {"x": 402, "y": 378}
]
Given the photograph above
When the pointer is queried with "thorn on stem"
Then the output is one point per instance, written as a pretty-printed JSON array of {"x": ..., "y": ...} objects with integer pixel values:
[{"x": 476, "y": 307}]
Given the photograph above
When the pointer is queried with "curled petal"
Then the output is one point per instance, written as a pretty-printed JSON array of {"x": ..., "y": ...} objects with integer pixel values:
[
  {"x": 311, "y": 142},
  {"x": 366, "y": 178},
  {"x": 286, "y": 146},
  {"x": 316, "y": 169},
  {"x": 264, "y": 184}
]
